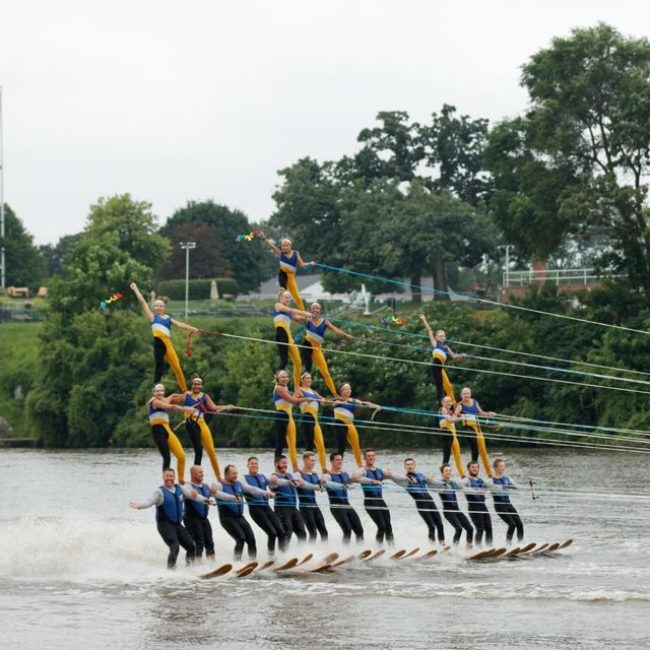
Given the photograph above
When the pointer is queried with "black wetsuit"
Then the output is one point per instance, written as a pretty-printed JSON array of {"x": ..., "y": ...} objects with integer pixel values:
[
  {"x": 231, "y": 516},
  {"x": 263, "y": 516},
  {"x": 426, "y": 506},
  {"x": 477, "y": 509},
  {"x": 169, "y": 518},
  {"x": 343, "y": 513},
  {"x": 286, "y": 502},
  {"x": 309, "y": 510},
  {"x": 506, "y": 510},
  {"x": 376, "y": 507},
  {"x": 197, "y": 523}
]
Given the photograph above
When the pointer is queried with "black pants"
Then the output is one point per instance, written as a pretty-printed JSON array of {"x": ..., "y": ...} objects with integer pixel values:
[
  {"x": 268, "y": 521},
  {"x": 306, "y": 355},
  {"x": 480, "y": 517},
  {"x": 470, "y": 435},
  {"x": 292, "y": 523},
  {"x": 447, "y": 439},
  {"x": 314, "y": 521},
  {"x": 347, "y": 518},
  {"x": 307, "y": 423},
  {"x": 508, "y": 513},
  {"x": 194, "y": 433},
  {"x": 378, "y": 512},
  {"x": 240, "y": 530},
  {"x": 282, "y": 279},
  {"x": 282, "y": 339},
  {"x": 175, "y": 536},
  {"x": 459, "y": 522},
  {"x": 161, "y": 440},
  {"x": 159, "y": 351},
  {"x": 431, "y": 516},
  {"x": 341, "y": 432},
  {"x": 280, "y": 431},
  {"x": 200, "y": 531},
  {"x": 437, "y": 369}
]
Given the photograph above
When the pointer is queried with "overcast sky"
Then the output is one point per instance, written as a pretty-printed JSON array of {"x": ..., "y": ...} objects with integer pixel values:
[{"x": 177, "y": 100}]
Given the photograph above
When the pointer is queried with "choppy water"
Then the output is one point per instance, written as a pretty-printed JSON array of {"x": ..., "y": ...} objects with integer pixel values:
[{"x": 79, "y": 569}]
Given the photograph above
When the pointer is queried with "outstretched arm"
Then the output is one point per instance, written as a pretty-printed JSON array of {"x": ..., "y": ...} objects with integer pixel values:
[
  {"x": 156, "y": 499},
  {"x": 143, "y": 303},
  {"x": 338, "y": 331},
  {"x": 184, "y": 326},
  {"x": 270, "y": 245},
  {"x": 427, "y": 327},
  {"x": 301, "y": 263},
  {"x": 291, "y": 311}
]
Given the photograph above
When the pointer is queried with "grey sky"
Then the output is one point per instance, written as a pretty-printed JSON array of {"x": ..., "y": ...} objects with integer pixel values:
[{"x": 172, "y": 100}]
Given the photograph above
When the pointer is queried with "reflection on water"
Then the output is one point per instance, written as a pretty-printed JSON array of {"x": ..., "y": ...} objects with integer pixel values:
[{"x": 80, "y": 569}]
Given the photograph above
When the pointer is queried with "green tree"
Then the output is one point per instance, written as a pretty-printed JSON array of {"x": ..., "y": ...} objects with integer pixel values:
[
  {"x": 25, "y": 265},
  {"x": 56, "y": 255},
  {"x": 590, "y": 111},
  {"x": 249, "y": 264}
]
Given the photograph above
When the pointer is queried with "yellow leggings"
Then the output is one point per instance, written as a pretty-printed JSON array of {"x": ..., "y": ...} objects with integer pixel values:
[
  {"x": 319, "y": 359},
  {"x": 455, "y": 447},
  {"x": 206, "y": 442},
  {"x": 448, "y": 388},
  {"x": 172, "y": 360},
  {"x": 167, "y": 442},
  {"x": 285, "y": 431},
  {"x": 346, "y": 431},
  {"x": 313, "y": 433},
  {"x": 292, "y": 288},
  {"x": 482, "y": 447},
  {"x": 288, "y": 348}
]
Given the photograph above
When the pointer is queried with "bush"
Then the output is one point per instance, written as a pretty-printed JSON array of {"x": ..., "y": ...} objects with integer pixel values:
[{"x": 199, "y": 289}]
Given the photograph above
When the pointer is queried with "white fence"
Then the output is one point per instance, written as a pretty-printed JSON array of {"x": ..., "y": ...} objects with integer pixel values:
[{"x": 555, "y": 276}]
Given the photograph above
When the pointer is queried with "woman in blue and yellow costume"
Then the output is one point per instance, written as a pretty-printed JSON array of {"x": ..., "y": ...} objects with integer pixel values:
[
  {"x": 469, "y": 411},
  {"x": 309, "y": 424},
  {"x": 195, "y": 423},
  {"x": 284, "y": 425},
  {"x": 345, "y": 407},
  {"x": 282, "y": 317},
  {"x": 312, "y": 349},
  {"x": 290, "y": 260},
  {"x": 440, "y": 352},
  {"x": 163, "y": 436},
  {"x": 161, "y": 324}
]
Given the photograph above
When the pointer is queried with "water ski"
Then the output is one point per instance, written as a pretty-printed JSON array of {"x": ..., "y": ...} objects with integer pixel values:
[
  {"x": 289, "y": 564},
  {"x": 323, "y": 568},
  {"x": 245, "y": 569},
  {"x": 446, "y": 548},
  {"x": 364, "y": 554},
  {"x": 497, "y": 552},
  {"x": 305, "y": 559},
  {"x": 513, "y": 551},
  {"x": 266, "y": 565},
  {"x": 222, "y": 570},
  {"x": 428, "y": 554},
  {"x": 413, "y": 552},
  {"x": 343, "y": 561},
  {"x": 482, "y": 554},
  {"x": 375, "y": 555},
  {"x": 400, "y": 554},
  {"x": 552, "y": 547},
  {"x": 528, "y": 548},
  {"x": 540, "y": 549},
  {"x": 566, "y": 543},
  {"x": 328, "y": 559}
]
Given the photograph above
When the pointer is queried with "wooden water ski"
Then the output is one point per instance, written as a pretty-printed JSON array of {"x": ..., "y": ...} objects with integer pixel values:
[
  {"x": 398, "y": 555},
  {"x": 305, "y": 559},
  {"x": 481, "y": 555},
  {"x": 328, "y": 559},
  {"x": 343, "y": 561},
  {"x": 364, "y": 554},
  {"x": 410, "y": 553},
  {"x": 498, "y": 552},
  {"x": 245, "y": 569},
  {"x": 323, "y": 568},
  {"x": 566, "y": 543},
  {"x": 289, "y": 564},
  {"x": 375, "y": 555},
  {"x": 222, "y": 570},
  {"x": 528, "y": 548},
  {"x": 552, "y": 547},
  {"x": 428, "y": 554},
  {"x": 266, "y": 565},
  {"x": 540, "y": 549},
  {"x": 513, "y": 551}
]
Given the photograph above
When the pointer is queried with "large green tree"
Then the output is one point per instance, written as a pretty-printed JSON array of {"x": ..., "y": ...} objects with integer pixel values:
[
  {"x": 25, "y": 265},
  {"x": 590, "y": 111},
  {"x": 249, "y": 264}
]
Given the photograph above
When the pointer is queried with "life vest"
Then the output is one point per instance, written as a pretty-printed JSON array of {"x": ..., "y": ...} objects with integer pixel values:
[
  {"x": 308, "y": 497},
  {"x": 449, "y": 498},
  {"x": 232, "y": 508},
  {"x": 501, "y": 497},
  {"x": 419, "y": 490},
  {"x": 373, "y": 491},
  {"x": 476, "y": 483},
  {"x": 286, "y": 495},
  {"x": 196, "y": 509},
  {"x": 173, "y": 506},
  {"x": 259, "y": 481},
  {"x": 339, "y": 496}
]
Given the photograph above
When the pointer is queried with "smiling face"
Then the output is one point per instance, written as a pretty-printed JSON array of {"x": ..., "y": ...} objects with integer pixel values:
[
  {"x": 369, "y": 457},
  {"x": 197, "y": 385},
  {"x": 440, "y": 336},
  {"x": 281, "y": 465},
  {"x": 282, "y": 378},
  {"x": 231, "y": 474},
  {"x": 409, "y": 465},
  {"x": 446, "y": 402},
  {"x": 169, "y": 476},
  {"x": 346, "y": 391},
  {"x": 158, "y": 307},
  {"x": 196, "y": 474},
  {"x": 316, "y": 310},
  {"x": 472, "y": 468},
  {"x": 158, "y": 391},
  {"x": 466, "y": 394},
  {"x": 253, "y": 466},
  {"x": 446, "y": 472},
  {"x": 286, "y": 246},
  {"x": 309, "y": 461},
  {"x": 305, "y": 380},
  {"x": 337, "y": 463}
]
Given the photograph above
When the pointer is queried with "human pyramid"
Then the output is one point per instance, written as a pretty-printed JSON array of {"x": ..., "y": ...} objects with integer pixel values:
[{"x": 182, "y": 508}]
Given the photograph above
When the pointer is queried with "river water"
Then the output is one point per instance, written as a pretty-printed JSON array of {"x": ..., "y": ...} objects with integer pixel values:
[{"x": 79, "y": 569}]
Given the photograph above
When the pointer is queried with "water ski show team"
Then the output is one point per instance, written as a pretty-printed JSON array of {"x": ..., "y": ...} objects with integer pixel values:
[{"x": 182, "y": 508}]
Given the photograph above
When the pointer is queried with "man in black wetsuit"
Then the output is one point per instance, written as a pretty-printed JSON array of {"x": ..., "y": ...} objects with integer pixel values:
[
  {"x": 371, "y": 478},
  {"x": 447, "y": 489},
  {"x": 337, "y": 482},
  {"x": 475, "y": 490},
  {"x": 499, "y": 485},
  {"x": 286, "y": 500},
  {"x": 311, "y": 514},
  {"x": 169, "y": 500}
]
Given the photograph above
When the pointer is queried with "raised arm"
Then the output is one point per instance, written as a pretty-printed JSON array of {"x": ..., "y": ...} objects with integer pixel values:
[
  {"x": 338, "y": 331},
  {"x": 270, "y": 245},
  {"x": 146, "y": 310},
  {"x": 427, "y": 327}
]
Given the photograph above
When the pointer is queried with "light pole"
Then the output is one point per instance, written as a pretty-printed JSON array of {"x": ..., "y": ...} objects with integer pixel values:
[{"x": 187, "y": 246}]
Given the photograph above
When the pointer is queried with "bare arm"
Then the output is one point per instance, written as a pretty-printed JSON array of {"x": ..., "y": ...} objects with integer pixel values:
[
  {"x": 338, "y": 331},
  {"x": 454, "y": 356},
  {"x": 427, "y": 327},
  {"x": 285, "y": 394},
  {"x": 166, "y": 406},
  {"x": 143, "y": 303},
  {"x": 489, "y": 414},
  {"x": 184, "y": 326},
  {"x": 270, "y": 245},
  {"x": 301, "y": 263},
  {"x": 291, "y": 310}
]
